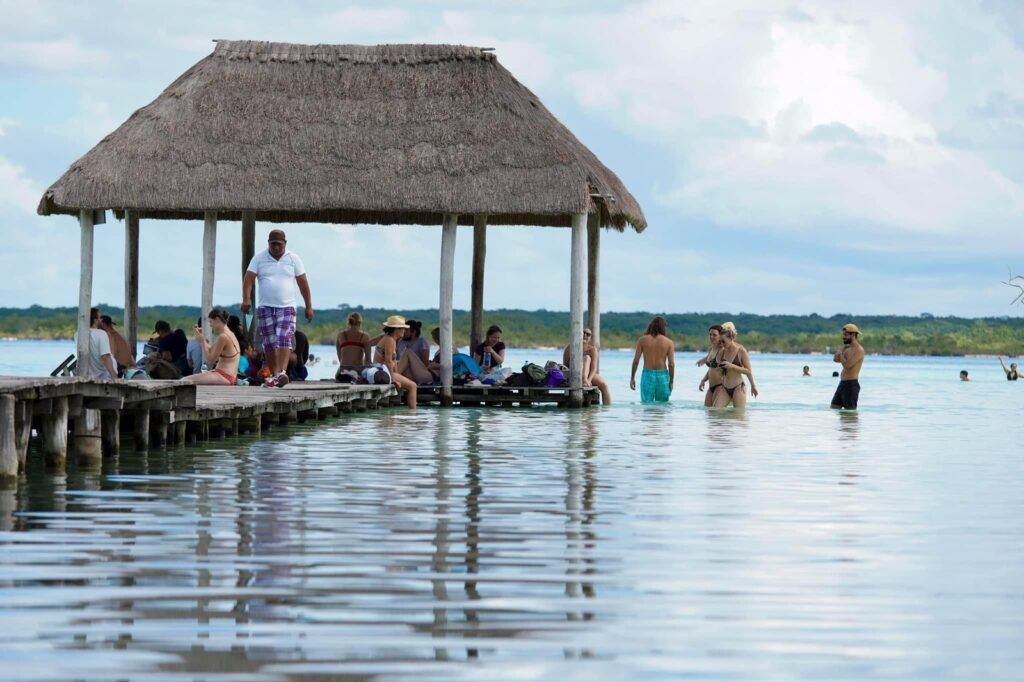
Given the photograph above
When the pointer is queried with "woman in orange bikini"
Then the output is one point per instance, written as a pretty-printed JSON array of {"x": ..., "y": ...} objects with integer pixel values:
[
  {"x": 222, "y": 355},
  {"x": 353, "y": 344},
  {"x": 734, "y": 360}
]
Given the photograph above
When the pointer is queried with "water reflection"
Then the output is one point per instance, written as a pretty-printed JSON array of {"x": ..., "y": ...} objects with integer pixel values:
[{"x": 390, "y": 545}]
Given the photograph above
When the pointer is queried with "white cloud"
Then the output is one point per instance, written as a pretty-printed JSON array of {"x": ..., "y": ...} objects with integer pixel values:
[
  {"x": 60, "y": 55},
  {"x": 16, "y": 190},
  {"x": 354, "y": 20}
]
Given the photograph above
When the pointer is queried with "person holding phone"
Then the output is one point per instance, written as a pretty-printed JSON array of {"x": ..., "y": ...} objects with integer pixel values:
[
  {"x": 851, "y": 357},
  {"x": 222, "y": 355}
]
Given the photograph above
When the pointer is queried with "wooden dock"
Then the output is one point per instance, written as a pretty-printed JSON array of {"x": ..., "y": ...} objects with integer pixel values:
[
  {"x": 506, "y": 396},
  {"x": 155, "y": 413}
]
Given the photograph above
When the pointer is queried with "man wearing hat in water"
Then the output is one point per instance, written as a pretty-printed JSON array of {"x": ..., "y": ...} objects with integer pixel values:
[
  {"x": 852, "y": 359},
  {"x": 278, "y": 271}
]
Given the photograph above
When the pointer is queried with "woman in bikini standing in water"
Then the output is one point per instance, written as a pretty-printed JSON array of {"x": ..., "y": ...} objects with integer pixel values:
[
  {"x": 353, "y": 344},
  {"x": 223, "y": 355},
  {"x": 713, "y": 377},
  {"x": 734, "y": 360}
]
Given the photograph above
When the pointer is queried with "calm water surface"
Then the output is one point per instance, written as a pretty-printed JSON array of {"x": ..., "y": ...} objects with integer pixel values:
[{"x": 629, "y": 543}]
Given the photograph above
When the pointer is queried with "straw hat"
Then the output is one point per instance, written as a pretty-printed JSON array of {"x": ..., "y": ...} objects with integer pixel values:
[
  {"x": 396, "y": 322},
  {"x": 851, "y": 328}
]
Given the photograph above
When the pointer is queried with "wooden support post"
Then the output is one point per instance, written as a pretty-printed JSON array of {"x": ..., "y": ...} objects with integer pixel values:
[
  {"x": 267, "y": 421},
  {"x": 8, "y": 447},
  {"x": 215, "y": 429},
  {"x": 359, "y": 405},
  {"x": 476, "y": 324},
  {"x": 250, "y": 425},
  {"x": 110, "y": 427},
  {"x": 345, "y": 408},
  {"x": 22, "y": 430},
  {"x": 53, "y": 434},
  {"x": 577, "y": 287},
  {"x": 159, "y": 428},
  {"x": 131, "y": 280},
  {"x": 248, "y": 251},
  {"x": 84, "y": 292},
  {"x": 231, "y": 426},
  {"x": 594, "y": 276},
  {"x": 448, "y": 229},
  {"x": 325, "y": 412},
  {"x": 141, "y": 430},
  {"x": 209, "y": 266},
  {"x": 180, "y": 429},
  {"x": 88, "y": 439}
]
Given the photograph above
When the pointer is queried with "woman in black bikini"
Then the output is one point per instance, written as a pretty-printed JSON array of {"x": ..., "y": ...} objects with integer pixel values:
[
  {"x": 386, "y": 353},
  {"x": 222, "y": 355},
  {"x": 734, "y": 360},
  {"x": 1011, "y": 374},
  {"x": 353, "y": 344},
  {"x": 713, "y": 377}
]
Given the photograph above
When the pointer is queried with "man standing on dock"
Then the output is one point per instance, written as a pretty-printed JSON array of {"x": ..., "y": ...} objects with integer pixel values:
[
  {"x": 278, "y": 271},
  {"x": 851, "y": 357}
]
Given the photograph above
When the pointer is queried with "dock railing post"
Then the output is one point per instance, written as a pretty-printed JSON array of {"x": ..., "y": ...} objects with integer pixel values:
[
  {"x": 448, "y": 232},
  {"x": 209, "y": 264},
  {"x": 594, "y": 277},
  {"x": 576, "y": 293},
  {"x": 476, "y": 324},
  {"x": 85, "y": 221},
  {"x": 131, "y": 280},
  {"x": 248, "y": 251}
]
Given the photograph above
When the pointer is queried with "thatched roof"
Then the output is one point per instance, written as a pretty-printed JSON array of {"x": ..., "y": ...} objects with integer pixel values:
[{"x": 345, "y": 134}]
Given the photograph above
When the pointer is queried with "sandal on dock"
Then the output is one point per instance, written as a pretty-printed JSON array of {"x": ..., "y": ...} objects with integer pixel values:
[
  {"x": 270, "y": 382},
  {"x": 282, "y": 380}
]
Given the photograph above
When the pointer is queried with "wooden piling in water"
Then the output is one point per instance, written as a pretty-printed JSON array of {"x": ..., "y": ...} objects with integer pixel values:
[
  {"x": 87, "y": 436},
  {"x": 110, "y": 427},
  {"x": 8, "y": 447},
  {"x": 53, "y": 434}
]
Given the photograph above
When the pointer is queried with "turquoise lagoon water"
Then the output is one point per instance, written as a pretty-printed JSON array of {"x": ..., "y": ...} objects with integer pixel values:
[{"x": 622, "y": 543}]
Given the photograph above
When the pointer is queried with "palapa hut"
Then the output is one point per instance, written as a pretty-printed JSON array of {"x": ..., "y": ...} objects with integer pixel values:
[{"x": 388, "y": 134}]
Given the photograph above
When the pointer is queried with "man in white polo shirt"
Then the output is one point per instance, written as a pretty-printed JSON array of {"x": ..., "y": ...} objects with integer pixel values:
[{"x": 278, "y": 271}]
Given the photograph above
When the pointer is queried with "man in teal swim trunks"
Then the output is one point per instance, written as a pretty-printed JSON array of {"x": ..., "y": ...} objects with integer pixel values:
[{"x": 659, "y": 354}]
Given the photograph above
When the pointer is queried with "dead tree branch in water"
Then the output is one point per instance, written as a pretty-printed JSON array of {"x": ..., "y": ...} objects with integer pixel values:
[{"x": 1017, "y": 282}]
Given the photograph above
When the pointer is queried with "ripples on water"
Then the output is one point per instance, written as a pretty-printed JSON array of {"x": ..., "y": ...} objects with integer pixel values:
[{"x": 624, "y": 543}]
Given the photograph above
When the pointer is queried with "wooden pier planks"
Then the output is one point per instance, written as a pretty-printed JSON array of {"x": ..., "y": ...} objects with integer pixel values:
[{"x": 160, "y": 412}]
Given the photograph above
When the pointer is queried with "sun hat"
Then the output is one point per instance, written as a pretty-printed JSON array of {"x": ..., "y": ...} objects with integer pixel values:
[
  {"x": 851, "y": 328},
  {"x": 396, "y": 322}
]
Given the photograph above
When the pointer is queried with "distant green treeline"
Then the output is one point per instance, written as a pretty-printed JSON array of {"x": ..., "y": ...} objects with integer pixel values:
[{"x": 923, "y": 335}]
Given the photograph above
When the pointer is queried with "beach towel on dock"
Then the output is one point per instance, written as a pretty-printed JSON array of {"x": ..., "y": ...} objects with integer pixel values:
[{"x": 463, "y": 364}]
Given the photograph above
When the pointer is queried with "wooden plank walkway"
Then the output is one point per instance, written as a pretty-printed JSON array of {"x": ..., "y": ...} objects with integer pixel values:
[
  {"x": 506, "y": 396},
  {"x": 156, "y": 413},
  {"x": 162, "y": 413}
]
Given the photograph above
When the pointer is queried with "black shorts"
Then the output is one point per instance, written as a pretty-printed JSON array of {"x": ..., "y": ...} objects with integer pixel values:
[{"x": 846, "y": 395}]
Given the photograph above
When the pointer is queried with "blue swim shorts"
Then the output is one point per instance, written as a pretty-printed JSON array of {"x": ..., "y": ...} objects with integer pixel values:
[{"x": 654, "y": 386}]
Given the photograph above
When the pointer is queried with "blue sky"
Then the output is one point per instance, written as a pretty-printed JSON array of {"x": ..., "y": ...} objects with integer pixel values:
[{"x": 791, "y": 157}]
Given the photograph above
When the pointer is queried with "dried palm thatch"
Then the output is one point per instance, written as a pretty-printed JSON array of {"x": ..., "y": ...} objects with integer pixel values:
[{"x": 386, "y": 134}]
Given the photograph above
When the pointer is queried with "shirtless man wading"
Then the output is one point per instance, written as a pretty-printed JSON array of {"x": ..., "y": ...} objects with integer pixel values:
[
  {"x": 852, "y": 359},
  {"x": 659, "y": 355}
]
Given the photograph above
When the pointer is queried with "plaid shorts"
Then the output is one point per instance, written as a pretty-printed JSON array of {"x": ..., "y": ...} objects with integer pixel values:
[{"x": 277, "y": 327}]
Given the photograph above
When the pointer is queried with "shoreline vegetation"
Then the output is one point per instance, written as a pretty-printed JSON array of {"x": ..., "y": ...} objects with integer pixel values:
[{"x": 886, "y": 334}]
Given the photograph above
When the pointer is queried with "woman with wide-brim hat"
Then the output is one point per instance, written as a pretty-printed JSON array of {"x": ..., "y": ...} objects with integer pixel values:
[{"x": 386, "y": 353}]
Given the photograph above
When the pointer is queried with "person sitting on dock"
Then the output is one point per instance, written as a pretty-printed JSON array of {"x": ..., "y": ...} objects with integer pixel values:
[
  {"x": 385, "y": 355},
  {"x": 119, "y": 349},
  {"x": 490, "y": 352},
  {"x": 591, "y": 365},
  {"x": 99, "y": 361},
  {"x": 1011, "y": 374},
  {"x": 223, "y": 355},
  {"x": 353, "y": 345},
  {"x": 435, "y": 363},
  {"x": 413, "y": 342},
  {"x": 170, "y": 345},
  {"x": 278, "y": 271},
  {"x": 297, "y": 358},
  {"x": 659, "y": 354}
]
